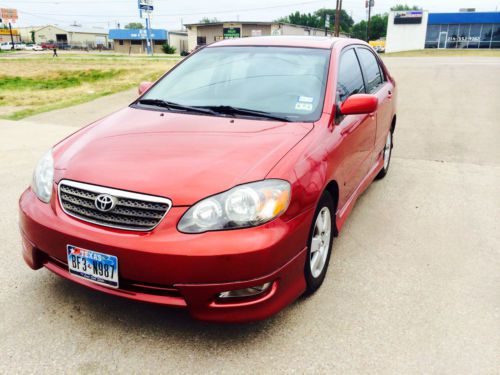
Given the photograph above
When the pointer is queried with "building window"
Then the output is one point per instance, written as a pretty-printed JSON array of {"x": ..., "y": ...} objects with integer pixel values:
[
  {"x": 452, "y": 39},
  {"x": 136, "y": 42},
  {"x": 120, "y": 42},
  {"x": 463, "y": 36},
  {"x": 474, "y": 35},
  {"x": 496, "y": 33},
  {"x": 432, "y": 36},
  {"x": 201, "y": 40}
]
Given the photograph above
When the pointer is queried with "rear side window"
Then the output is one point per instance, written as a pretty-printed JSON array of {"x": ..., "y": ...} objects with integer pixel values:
[
  {"x": 350, "y": 79},
  {"x": 371, "y": 68}
]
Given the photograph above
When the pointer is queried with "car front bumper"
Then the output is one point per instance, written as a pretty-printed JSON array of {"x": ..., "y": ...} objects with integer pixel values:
[{"x": 170, "y": 268}]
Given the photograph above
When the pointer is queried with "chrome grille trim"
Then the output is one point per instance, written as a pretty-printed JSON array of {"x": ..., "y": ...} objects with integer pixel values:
[{"x": 133, "y": 211}]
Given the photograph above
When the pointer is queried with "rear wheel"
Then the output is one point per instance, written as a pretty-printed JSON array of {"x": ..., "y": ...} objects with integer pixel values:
[
  {"x": 320, "y": 244},
  {"x": 387, "y": 156}
]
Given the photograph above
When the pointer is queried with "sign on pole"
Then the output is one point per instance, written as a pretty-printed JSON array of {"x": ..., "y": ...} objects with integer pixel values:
[
  {"x": 327, "y": 21},
  {"x": 8, "y": 15},
  {"x": 145, "y": 9}
]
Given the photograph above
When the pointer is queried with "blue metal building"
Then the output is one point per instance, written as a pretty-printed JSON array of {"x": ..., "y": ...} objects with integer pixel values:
[
  {"x": 134, "y": 40},
  {"x": 463, "y": 30}
]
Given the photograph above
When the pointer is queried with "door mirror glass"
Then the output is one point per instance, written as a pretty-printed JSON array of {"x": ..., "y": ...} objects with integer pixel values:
[
  {"x": 144, "y": 86},
  {"x": 359, "y": 104}
]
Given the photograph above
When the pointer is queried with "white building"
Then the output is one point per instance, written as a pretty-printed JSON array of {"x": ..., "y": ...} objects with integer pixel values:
[{"x": 414, "y": 30}]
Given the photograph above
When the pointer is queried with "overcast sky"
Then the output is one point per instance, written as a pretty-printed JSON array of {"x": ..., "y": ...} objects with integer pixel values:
[{"x": 170, "y": 13}]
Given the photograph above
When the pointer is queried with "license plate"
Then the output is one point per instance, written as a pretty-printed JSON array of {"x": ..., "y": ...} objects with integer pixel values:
[{"x": 97, "y": 267}]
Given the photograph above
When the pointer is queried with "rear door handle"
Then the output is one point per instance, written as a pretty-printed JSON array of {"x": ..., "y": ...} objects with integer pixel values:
[{"x": 389, "y": 94}]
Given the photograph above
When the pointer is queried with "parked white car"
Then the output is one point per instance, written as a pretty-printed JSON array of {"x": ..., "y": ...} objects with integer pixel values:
[
  {"x": 6, "y": 46},
  {"x": 33, "y": 47},
  {"x": 20, "y": 46}
]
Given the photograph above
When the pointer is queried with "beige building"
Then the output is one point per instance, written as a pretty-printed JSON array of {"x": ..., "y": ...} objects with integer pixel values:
[
  {"x": 179, "y": 40},
  {"x": 136, "y": 46},
  {"x": 74, "y": 36},
  {"x": 200, "y": 34}
]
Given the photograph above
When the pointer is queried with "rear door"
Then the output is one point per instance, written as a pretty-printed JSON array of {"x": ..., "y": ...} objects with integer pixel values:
[
  {"x": 357, "y": 131},
  {"x": 377, "y": 84}
]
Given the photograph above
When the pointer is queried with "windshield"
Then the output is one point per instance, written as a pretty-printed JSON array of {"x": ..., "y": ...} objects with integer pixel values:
[{"x": 289, "y": 82}]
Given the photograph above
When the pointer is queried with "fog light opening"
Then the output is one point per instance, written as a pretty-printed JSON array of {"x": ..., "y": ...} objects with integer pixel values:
[{"x": 247, "y": 292}]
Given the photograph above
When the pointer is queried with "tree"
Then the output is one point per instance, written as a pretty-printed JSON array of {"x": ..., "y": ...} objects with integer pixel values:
[
  {"x": 134, "y": 25},
  {"x": 209, "y": 20},
  {"x": 358, "y": 30},
  {"x": 378, "y": 27},
  {"x": 168, "y": 49},
  {"x": 317, "y": 19},
  {"x": 405, "y": 7}
]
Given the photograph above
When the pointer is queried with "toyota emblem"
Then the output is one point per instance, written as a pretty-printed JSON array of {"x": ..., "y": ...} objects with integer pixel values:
[{"x": 105, "y": 202}]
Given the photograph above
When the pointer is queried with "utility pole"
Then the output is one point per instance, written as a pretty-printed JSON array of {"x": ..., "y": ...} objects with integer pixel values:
[
  {"x": 370, "y": 3},
  {"x": 11, "y": 35},
  {"x": 338, "y": 10}
]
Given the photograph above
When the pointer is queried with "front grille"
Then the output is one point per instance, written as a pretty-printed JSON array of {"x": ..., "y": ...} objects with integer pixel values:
[{"x": 132, "y": 211}]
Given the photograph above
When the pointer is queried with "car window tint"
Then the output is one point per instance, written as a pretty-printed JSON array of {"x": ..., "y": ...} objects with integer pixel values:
[
  {"x": 371, "y": 69},
  {"x": 350, "y": 80}
]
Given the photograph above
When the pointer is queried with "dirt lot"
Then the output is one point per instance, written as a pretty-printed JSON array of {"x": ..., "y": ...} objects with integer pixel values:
[
  {"x": 413, "y": 285},
  {"x": 41, "y": 83}
]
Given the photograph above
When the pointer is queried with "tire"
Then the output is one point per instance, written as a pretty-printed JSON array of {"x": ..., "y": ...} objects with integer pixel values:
[
  {"x": 387, "y": 153},
  {"x": 320, "y": 244}
]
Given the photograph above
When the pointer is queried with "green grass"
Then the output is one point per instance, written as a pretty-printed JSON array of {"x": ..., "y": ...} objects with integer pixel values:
[
  {"x": 29, "y": 86},
  {"x": 61, "y": 80},
  {"x": 19, "y": 115}
]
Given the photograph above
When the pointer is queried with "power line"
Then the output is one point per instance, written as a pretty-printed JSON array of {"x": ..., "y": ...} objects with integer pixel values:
[{"x": 183, "y": 14}]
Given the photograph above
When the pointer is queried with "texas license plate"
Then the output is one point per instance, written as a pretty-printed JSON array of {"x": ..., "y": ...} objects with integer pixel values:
[{"x": 97, "y": 267}]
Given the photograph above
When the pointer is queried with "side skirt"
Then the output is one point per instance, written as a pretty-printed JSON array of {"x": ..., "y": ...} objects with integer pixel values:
[{"x": 343, "y": 213}]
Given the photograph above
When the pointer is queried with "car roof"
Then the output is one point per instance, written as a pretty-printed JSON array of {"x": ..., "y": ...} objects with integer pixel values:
[{"x": 281, "y": 41}]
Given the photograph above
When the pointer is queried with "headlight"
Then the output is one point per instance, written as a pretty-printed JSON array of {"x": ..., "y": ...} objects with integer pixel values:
[
  {"x": 241, "y": 207},
  {"x": 43, "y": 178}
]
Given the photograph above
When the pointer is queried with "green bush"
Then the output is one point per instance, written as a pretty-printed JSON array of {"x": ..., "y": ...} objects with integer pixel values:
[
  {"x": 168, "y": 49},
  {"x": 184, "y": 53}
]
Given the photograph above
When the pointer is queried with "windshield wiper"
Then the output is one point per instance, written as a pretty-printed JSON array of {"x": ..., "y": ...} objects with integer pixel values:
[
  {"x": 171, "y": 105},
  {"x": 229, "y": 110}
]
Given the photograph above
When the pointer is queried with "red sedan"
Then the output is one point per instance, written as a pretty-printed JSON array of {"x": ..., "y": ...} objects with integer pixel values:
[{"x": 221, "y": 188}]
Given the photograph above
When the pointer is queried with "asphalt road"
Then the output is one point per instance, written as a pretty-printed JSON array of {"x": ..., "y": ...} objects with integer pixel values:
[{"x": 414, "y": 280}]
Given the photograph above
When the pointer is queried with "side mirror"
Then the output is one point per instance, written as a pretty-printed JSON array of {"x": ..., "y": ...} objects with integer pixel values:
[
  {"x": 144, "y": 86},
  {"x": 358, "y": 104}
]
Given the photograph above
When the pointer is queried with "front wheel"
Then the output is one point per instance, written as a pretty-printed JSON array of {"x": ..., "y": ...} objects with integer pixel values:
[
  {"x": 387, "y": 156},
  {"x": 320, "y": 244}
]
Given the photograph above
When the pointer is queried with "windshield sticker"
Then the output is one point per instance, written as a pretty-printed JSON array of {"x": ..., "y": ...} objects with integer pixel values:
[
  {"x": 305, "y": 99},
  {"x": 303, "y": 107}
]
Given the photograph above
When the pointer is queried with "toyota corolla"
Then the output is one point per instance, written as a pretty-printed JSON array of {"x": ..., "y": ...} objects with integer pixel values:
[{"x": 221, "y": 188}]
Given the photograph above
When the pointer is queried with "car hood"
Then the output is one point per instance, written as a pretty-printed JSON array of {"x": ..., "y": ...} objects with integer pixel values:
[{"x": 179, "y": 156}]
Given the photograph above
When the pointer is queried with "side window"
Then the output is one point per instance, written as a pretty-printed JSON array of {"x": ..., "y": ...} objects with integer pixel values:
[
  {"x": 350, "y": 79},
  {"x": 371, "y": 68}
]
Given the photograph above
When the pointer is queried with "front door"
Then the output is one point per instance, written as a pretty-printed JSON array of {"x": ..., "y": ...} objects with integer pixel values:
[
  {"x": 358, "y": 131},
  {"x": 443, "y": 36}
]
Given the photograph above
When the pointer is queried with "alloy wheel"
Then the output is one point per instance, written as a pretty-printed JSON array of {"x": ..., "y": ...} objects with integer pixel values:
[{"x": 320, "y": 242}]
